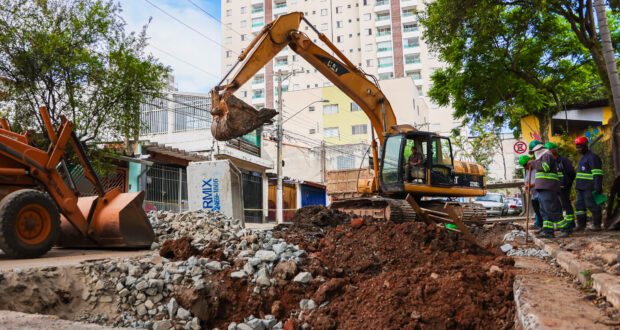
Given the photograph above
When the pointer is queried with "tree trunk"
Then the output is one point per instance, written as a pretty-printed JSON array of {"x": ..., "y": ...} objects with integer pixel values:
[
  {"x": 544, "y": 120},
  {"x": 612, "y": 73}
]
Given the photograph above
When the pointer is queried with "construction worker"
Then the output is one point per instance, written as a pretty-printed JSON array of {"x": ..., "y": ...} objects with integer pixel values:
[
  {"x": 566, "y": 173},
  {"x": 589, "y": 179},
  {"x": 548, "y": 187},
  {"x": 526, "y": 162}
]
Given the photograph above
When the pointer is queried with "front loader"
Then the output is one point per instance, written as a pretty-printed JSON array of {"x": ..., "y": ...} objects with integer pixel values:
[{"x": 38, "y": 208}]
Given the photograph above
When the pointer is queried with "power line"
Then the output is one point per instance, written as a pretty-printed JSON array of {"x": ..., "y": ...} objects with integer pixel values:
[
  {"x": 209, "y": 14},
  {"x": 189, "y": 27},
  {"x": 186, "y": 62}
]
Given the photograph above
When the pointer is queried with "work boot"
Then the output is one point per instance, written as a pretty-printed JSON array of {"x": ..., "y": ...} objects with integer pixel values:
[
  {"x": 564, "y": 234},
  {"x": 547, "y": 234},
  {"x": 596, "y": 221},
  {"x": 581, "y": 223}
]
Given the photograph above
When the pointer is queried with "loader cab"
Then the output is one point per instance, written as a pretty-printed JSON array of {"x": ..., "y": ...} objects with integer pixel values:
[{"x": 416, "y": 159}]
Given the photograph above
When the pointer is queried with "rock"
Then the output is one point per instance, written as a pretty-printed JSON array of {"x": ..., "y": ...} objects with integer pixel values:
[
  {"x": 142, "y": 285},
  {"x": 155, "y": 246},
  {"x": 195, "y": 324},
  {"x": 434, "y": 276},
  {"x": 279, "y": 248},
  {"x": 124, "y": 293},
  {"x": 183, "y": 314},
  {"x": 303, "y": 277},
  {"x": 149, "y": 304},
  {"x": 266, "y": 255},
  {"x": 506, "y": 247},
  {"x": 237, "y": 275},
  {"x": 248, "y": 269},
  {"x": 172, "y": 308},
  {"x": 357, "y": 222},
  {"x": 243, "y": 326},
  {"x": 106, "y": 299},
  {"x": 495, "y": 269},
  {"x": 100, "y": 285},
  {"x": 214, "y": 265},
  {"x": 277, "y": 309},
  {"x": 263, "y": 280},
  {"x": 254, "y": 261},
  {"x": 269, "y": 321},
  {"x": 141, "y": 310},
  {"x": 162, "y": 325},
  {"x": 130, "y": 280},
  {"x": 256, "y": 324},
  {"x": 232, "y": 326},
  {"x": 285, "y": 270},
  {"x": 307, "y": 304}
]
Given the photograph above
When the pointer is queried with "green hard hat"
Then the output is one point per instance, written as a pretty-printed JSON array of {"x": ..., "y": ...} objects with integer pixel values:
[
  {"x": 524, "y": 159},
  {"x": 534, "y": 143},
  {"x": 550, "y": 145},
  {"x": 451, "y": 226}
]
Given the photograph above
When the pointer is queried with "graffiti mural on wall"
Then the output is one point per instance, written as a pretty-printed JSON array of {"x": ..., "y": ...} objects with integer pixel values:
[{"x": 592, "y": 133}]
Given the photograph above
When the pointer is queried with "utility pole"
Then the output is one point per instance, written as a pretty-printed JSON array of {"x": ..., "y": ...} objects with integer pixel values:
[
  {"x": 279, "y": 193},
  {"x": 323, "y": 170}
]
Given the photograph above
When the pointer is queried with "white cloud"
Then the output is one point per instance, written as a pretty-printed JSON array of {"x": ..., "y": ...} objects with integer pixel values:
[{"x": 181, "y": 42}]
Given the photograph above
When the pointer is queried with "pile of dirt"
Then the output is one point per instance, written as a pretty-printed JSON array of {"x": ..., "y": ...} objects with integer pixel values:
[
  {"x": 316, "y": 219},
  {"x": 409, "y": 275},
  {"x": 379, "y": 275},
  {"x": 182, "y": 249}
]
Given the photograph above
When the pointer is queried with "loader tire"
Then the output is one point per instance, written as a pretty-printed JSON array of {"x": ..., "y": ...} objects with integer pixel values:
[{"x": 29, "y": 224}]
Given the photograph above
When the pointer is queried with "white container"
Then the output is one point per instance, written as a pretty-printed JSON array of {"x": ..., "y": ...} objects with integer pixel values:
[{"x": 216, "y": 186}]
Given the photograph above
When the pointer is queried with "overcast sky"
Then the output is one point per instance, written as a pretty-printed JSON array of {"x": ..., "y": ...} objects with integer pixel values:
[{"x": 190, "y": 55}]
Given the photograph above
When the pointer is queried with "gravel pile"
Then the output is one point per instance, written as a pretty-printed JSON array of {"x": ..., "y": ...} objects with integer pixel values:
[
  {"x": 141, "y": 290},
  {"x": 531, "y": 252},
  {"x": 512, "y": 235}
]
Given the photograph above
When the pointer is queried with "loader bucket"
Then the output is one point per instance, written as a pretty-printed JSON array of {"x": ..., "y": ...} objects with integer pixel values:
[
  {"x": 118, "y": 221},
  {"x": 233, "y": 118}
]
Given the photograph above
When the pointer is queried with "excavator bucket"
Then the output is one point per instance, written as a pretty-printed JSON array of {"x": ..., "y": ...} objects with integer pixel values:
[
  {"x": 233, "y": 118},
  {"x": 118, "y": 220}
]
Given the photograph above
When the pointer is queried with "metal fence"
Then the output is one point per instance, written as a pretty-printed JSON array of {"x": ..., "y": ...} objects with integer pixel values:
[{"x": 166, "y": 188}]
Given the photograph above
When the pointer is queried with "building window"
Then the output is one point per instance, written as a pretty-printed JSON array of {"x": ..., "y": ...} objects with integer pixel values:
[
  {"x": 228, "y": 26},
  {"x": 330, "y": 109},
  {"x": 331, "y": 132},
  {"x": 324, "y": 27},
  {"x": 385, "y": 62},
  {"x": 359, "y": 129},
  {"x": 312, "y": 131},
  {"x": 435, "y": 127},
  {"x": 355, "y": 107},
  {"x": 243, "y": 10},
  {"x": 339, "y": 9},
  {"x": 243, "y": 23},
  {"x": 244, "y": 94},
  {"x": 368, "y": 32},
  {"x": 311, "y": 108},
  {"x": 323, "y": 12},
  {"x": 339, "y": 39},
  {"x": 369, "y": 63},
  {"x": 228, "y": 53},
  {"x": 365, "y": 2},
  {"x": 369, "y": 47},
  {"x": 243, "y": 37},
  {"x": 228, "y": 12},
  {"x": 384, "y": 46},
  {"x": 339, "y": 24},
  {"x": 228, "y": 40},
  {"x": 386, "y": 75},
  {"x": 345, "y": 162}
]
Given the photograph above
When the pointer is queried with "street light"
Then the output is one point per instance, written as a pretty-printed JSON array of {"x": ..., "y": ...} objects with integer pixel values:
[{"x": 302, "y": 109}]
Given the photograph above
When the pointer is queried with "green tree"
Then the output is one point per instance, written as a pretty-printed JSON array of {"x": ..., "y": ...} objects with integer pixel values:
[
  {"x": 480, "y": 145},
  {"x": 505, "y": 62},
  {"x": 76, "y": 59}
]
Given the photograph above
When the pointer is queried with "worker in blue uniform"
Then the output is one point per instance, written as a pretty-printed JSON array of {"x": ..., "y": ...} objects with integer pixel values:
[
  {"x": 589, "y": 179},
  {"x": 566, "y": 174}
]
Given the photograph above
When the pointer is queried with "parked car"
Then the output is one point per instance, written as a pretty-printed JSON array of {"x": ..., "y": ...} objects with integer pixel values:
[
  {"x": 495, "y": 204},
  {"x": 515, "y": 205}
]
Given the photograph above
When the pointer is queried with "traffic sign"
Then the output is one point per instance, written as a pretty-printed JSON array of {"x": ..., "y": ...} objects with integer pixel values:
[{"x": 520, "y": 147}]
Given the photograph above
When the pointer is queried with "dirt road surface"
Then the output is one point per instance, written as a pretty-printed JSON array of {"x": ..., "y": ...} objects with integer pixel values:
[
  {"x": 16, "y": 320},
  {"x": 65, "y": 257}
]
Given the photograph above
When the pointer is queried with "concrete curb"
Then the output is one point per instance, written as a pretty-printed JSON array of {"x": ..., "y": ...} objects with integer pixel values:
[
  {"x": 587, "y": 273},
  {"x": 526, "y": 313}
]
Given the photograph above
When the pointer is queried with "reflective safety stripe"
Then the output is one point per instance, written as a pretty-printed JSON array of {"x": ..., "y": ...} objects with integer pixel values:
[
  {"x": 547, "y": 224},
  {"x": 545, "y": 167},
  {"x": 597, "y": 172},
  {"x": 585, "y": 176},
  {"x": 550, "y": 176},
  {"x": 580, "y": 212}
]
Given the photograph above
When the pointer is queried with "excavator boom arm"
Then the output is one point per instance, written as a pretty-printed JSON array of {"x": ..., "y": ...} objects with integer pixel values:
[{"x": 337, "y": 69}]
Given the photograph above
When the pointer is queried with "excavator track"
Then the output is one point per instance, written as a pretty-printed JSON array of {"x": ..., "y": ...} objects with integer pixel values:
[{"x": 399, "y": 210}]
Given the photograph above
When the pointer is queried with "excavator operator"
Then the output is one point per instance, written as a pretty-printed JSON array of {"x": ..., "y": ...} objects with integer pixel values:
[{"x": 414, "y": 169}]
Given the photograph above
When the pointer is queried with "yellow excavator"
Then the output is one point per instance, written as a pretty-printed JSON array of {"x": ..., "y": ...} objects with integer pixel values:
[{"x": 436, "y": 174}]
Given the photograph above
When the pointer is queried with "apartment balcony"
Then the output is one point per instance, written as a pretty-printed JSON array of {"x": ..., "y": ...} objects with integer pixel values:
[
  {"x": 256, "y": 27},
  {"x": 417, "y": 82},
  {"x": 408, "y": 17},
  {"x": 382, "y": 5},
  {"x": 381, "y": 21},
  {"x": 385, "y": 52},
  {"x": 408, "y": 3},
  {"x": 411, "y": 32},
  {"x": 413, "y": 65},
  {"x": 258, "y": 99},
  {"x": 386, "y": 67},
  {"x": 258, "y": 13},
  {"x": 279, "y": 9},
  {"x": 257, "y": 2},
  {"x": 258, "y": 84},
  {"x": 411, "y": 49},
  {"x": 383, "y": 36}
]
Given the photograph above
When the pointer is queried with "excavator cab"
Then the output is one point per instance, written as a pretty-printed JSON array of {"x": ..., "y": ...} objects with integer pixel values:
[{"x": 416, "y": 159}]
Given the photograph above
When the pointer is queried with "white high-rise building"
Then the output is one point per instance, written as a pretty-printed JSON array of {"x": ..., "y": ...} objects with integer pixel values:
[{"x": 382, "y": 37}]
